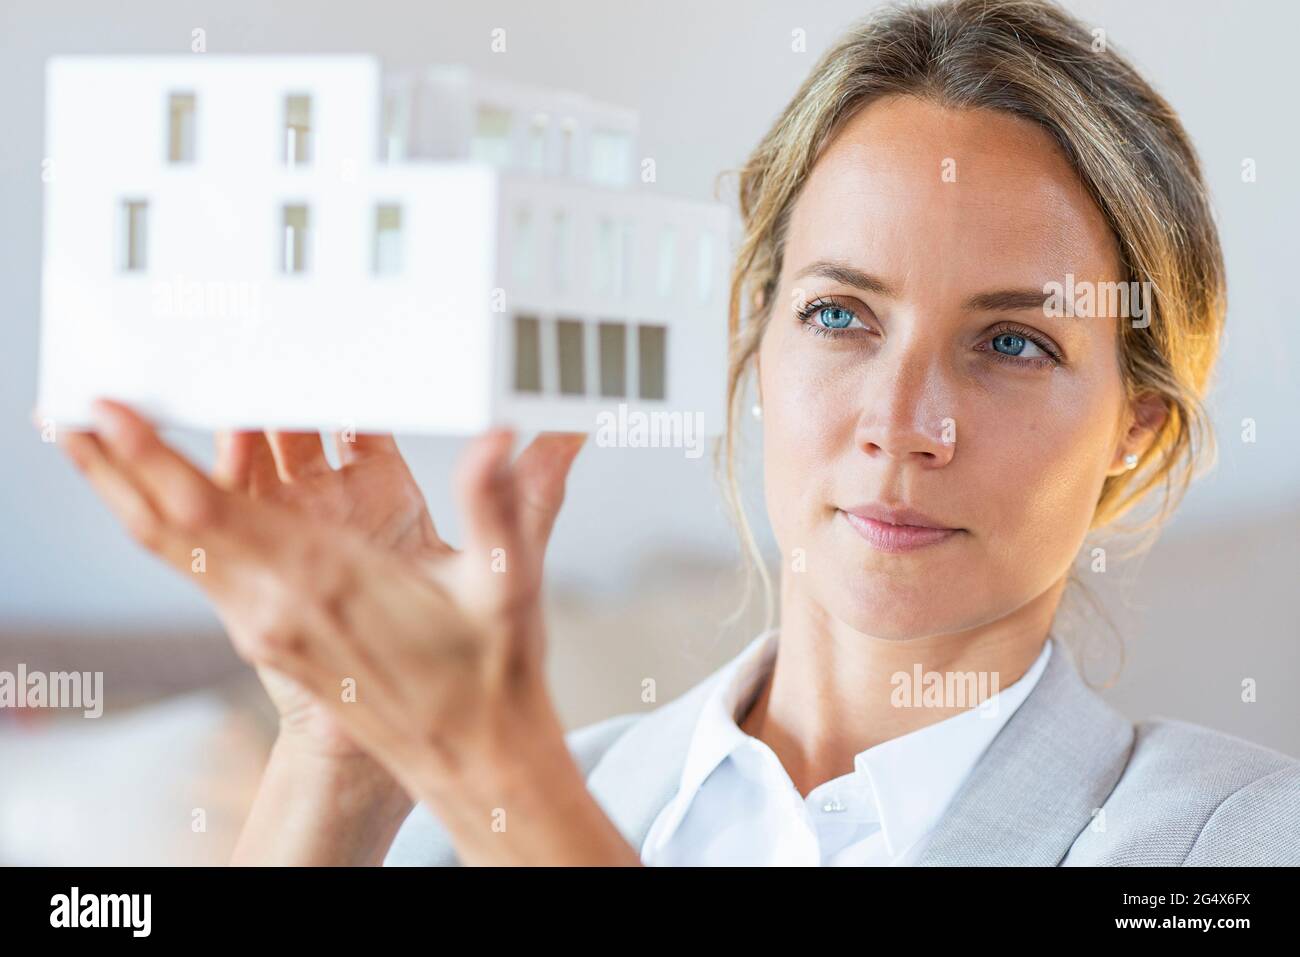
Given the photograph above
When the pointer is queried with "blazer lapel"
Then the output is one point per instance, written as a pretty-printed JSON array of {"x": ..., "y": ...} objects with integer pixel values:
[
  {"x": 641, "y": 771},
  {"x": 1039, "y": 783}
]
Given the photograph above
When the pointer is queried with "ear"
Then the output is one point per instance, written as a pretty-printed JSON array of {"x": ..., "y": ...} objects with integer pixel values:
[{"x": 1147, "y": 416}]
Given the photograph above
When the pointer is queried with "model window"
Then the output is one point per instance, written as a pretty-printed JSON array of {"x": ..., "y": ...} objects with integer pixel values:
[
  {"x": 297, "y": 130},
  {"x": 568, "y": 341},
  {"x": 180, "y": 127},
  {"x": 651, "y": 343},
  {"x": 528, "y": 354},
  {"x": 135, "y": 235},
  {"x": 295, "y": 226},
  {"x": 388, "y": 240},
  {"x": 613, "y": 358}
]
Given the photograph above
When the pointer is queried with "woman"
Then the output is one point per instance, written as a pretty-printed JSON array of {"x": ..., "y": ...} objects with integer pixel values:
[{"x": 938, "y": 441}]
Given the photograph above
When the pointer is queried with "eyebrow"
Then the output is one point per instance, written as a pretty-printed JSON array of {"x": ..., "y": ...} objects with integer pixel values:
[{"x": 999, "y": 300}]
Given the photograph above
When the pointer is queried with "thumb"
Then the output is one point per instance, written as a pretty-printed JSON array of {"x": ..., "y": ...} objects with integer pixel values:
[{"x": 541, "y": 474}]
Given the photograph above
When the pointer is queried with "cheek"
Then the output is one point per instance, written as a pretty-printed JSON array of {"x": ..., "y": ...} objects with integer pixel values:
[
  {"x": 1039, "y": 468},
  {"x": 807, "y": 427}
]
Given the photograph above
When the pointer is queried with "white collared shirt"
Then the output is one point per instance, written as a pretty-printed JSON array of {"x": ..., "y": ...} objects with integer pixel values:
[{"x": 736, "y": 805}]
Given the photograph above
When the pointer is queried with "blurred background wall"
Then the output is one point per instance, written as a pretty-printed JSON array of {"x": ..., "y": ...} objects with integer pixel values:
[{"x": 643, "y": 560}]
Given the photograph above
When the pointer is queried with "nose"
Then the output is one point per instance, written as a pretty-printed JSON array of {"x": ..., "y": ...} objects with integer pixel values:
[{"x": 908, "y": 413}]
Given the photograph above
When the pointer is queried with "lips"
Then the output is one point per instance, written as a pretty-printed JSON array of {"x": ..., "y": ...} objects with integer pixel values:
[
  {"x": 890, "y": 529},
  {"x": 897, "y": 516}
]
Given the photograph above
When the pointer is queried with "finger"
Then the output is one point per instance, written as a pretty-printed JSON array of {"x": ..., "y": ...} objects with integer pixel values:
[
  {"x": 541, "y": 473},
  {"x": 245, "y": 462},
  {"x": 298, "y": 454},
  {"x": 126, "y": 501},
  {"x": 178, "y": 491},
  {"x": 485, "y": 490},
  {"x": 357, "y": 446}
]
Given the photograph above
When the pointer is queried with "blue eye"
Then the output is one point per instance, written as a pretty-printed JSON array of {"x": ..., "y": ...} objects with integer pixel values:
[
  {"x": 834, "y": 317},
  {"x": 1011, "y": 344},
  {"x": 826, "y": 317},
  {"x": 1014, "y": 344}
]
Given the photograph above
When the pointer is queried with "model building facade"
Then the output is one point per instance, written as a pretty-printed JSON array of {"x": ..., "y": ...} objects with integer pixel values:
[{"x": 304, "y": 242}]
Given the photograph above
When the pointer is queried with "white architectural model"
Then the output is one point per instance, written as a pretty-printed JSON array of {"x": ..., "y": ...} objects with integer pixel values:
[{"x": 301, "y": 242}]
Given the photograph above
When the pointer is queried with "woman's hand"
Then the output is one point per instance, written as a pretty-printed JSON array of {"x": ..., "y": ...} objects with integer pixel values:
[
  {"x": 428, "y": 658},
  {"x": 323, "y": 799},
  {"x": 372, "y": 492}
]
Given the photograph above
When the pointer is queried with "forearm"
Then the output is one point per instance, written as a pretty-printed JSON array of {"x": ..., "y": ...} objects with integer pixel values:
[
  {"x": 531, "y": 823},
  {"x": 313, "y": 810}
]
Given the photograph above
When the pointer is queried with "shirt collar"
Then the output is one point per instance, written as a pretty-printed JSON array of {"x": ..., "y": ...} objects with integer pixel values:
[
  {"x": 716, "y": 733},
  {"x": 913, "y": 777}
]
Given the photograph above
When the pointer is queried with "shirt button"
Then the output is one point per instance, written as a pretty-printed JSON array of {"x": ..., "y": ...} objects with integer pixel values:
[{"x": 833, "y": 805}]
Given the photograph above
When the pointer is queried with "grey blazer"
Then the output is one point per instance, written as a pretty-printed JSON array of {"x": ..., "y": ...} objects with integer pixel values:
[{"x": 1067, "y": 781}]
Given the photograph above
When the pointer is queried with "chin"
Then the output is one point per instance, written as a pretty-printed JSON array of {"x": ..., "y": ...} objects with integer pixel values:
[{"x": 898, "y": 605}]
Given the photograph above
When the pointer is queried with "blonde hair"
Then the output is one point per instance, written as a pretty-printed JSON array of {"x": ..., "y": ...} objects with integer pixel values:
[{"x": 1031, "y": 59}]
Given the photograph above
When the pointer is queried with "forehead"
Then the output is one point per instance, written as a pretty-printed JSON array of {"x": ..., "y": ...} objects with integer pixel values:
[{"x": 949, "y": 199}]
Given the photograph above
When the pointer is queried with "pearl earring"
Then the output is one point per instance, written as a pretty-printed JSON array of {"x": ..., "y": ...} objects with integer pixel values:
[
  {"x": 1131, "y": 461},
  {"x": 757, "y": 410}
]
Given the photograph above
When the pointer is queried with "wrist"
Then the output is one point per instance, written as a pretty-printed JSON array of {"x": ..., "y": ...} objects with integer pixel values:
[
  {"x": 352, "y": 784},
  {"x": 523, "y": 799},
  {"x": 519, "y": 732},
  {"x": 320, "y": 809}
]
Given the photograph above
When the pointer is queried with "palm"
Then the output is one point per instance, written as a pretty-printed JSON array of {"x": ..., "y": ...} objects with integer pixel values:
[
  {"x": 372, "y": 493},
  {"x": 376, "y": 496}
]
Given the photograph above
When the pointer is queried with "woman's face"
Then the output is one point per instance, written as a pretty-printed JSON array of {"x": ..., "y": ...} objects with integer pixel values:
[{"x": 910, "y": 382}]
